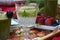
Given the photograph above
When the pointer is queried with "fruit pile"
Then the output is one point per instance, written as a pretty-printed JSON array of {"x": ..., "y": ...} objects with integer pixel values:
[
  {"x": 18, "y": 34},
  {"x": 35, "y": 32},
  {"x": 46, "y": 20}
]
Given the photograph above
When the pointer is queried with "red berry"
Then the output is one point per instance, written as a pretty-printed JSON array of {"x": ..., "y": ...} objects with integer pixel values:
[
  {"x": 41, "y": 21},
  {"x": 37, "y": 19},
  {"x": 48, "y": 22},
  {"x": 51, "y": 18}
]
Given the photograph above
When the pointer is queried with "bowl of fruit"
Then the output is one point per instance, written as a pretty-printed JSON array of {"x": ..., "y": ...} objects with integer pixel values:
[
  {"x": 18, "y": 33},
  {"x": 42, "y": 19}
]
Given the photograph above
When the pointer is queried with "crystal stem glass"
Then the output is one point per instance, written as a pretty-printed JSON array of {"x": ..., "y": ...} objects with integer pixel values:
[{"x": 26, "y": 16}]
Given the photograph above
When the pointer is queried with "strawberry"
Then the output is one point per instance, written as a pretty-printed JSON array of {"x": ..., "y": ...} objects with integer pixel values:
[
  {"x": 37, "y": 19},
  {"x": 52, "y": 19},
  {"x": 48, "y": 21},
  {"x": 41, "y": 21}
]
